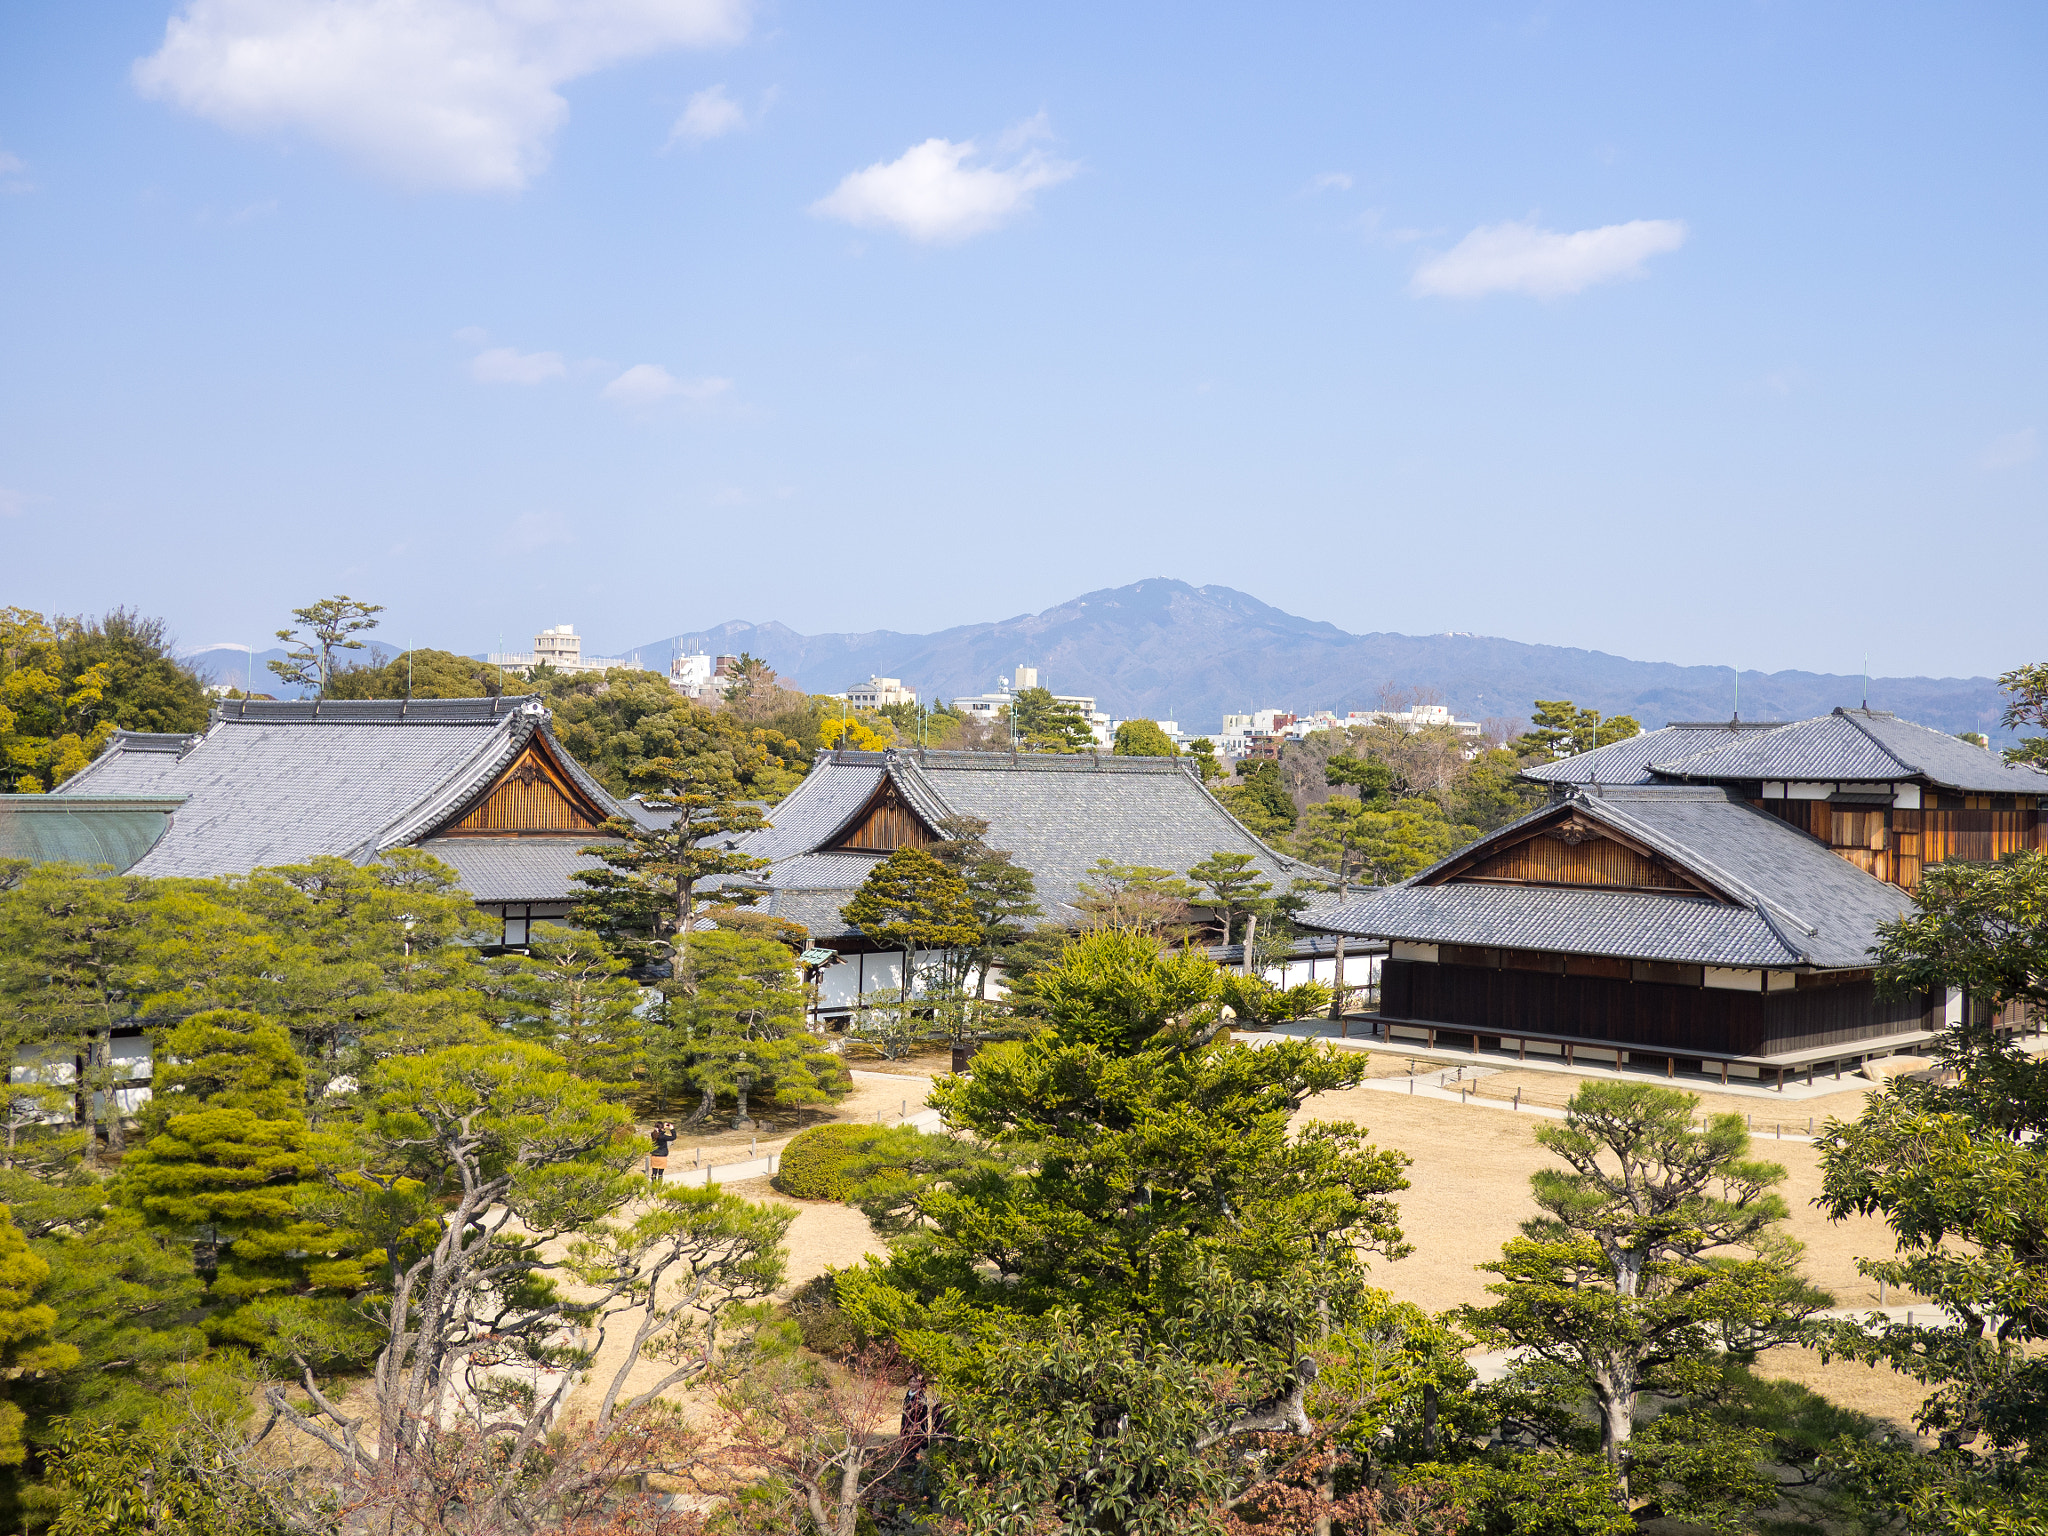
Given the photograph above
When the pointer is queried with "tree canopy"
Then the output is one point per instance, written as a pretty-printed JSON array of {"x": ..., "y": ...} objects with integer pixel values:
[{"x": 67, "y": 684}]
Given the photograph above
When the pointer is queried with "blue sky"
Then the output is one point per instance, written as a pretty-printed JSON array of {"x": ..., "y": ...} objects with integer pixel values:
[{"x": 1692, "y": 333}]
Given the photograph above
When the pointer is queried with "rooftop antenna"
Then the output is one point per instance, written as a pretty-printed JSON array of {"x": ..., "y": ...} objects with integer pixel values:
[
  {"x": 501, "y": 663},
  {"x": 1736, "y": 718},
  {"x": 1866, "y": 682}
]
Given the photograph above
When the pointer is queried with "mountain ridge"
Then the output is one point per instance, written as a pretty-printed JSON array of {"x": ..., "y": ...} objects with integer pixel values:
[{"x": 1161, "y": 648}]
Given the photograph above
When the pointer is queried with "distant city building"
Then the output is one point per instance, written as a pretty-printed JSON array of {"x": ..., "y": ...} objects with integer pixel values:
[
  {"x": 562, "y": 649},
  {"x": 1100, "y": 725},
  {"x": 691, "y": 675},
  {"x": 880, "y": 693}
]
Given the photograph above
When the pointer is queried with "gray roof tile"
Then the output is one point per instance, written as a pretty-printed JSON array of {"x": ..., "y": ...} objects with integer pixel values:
[
  {"x": 1792, "y": 902},
  {"x": 516, "y": 869},
  {"x": 1628, "y": 761},
  {"x": 1856, "y": 745}
]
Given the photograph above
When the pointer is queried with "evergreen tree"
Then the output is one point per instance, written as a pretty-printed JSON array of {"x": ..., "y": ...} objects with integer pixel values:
[
  {"x": 912, "y": 902},
  {"x": 332, "y": 625},
  {"x": 1658, "y": 1246},
  {"x": 736, "y": 1025},
  {"x": 228, "y": 1162},
  {"x": 1559, "y": 728},
  {"x": 570, "y": 993},
  {"x": 644, "y": 901},
  {"x": 1203, "y": 751},
  {"x": 27, "y": 1325},
  {"x": 1231, "y": 883},
  {"x": 1000, "y": 892},
  {"x": 2026, "y": 690},
  {"x": 1144, "y": 738},
  {"x": 1260, "y": 799},
  {"x": 1047, "y": 724}
]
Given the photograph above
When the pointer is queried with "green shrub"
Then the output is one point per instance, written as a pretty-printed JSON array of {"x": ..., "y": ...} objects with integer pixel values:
[
  {"x": 815, "y": 1164},
  {"x": 1260, "y": 1005}
]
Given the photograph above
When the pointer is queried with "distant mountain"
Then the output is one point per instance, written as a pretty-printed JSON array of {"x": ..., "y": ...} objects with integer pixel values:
[
  {"x": 234, "y": 666},
  {"x": 1163, "y": 649}
]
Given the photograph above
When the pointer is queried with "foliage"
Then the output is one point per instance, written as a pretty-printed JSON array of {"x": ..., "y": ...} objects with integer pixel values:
[
  {"x": 911, "y": 901},
  {"x": 1261, "y": 800},
  {"x": 332, "y": 625},
  {"x": 27, "y": 1326},
  {"x": 420, "y": 674},
  {"x": 1256, "y": 1001},
  {"x": 226, "y": 1163},
  {"x": 818, "y": 1164},
  {"x": 66, "y": 687},
  {"x": 1373, "y": 779},
  {"x": 1982, "y": 928},
  {"x": 856, "y": 735},
  {"x": 1046, "y": 724},
  {"x": 644, "y": 900},
  {"x": 617, "y": 722},
  {"x": 1126, "y": 1161},
  {"x": 570, "y": 993},
  {"x": 1559, "y": 728},
  {"x": 1386, "y": 846},
  {"x": 1144, "y": 738},
  {"x": 1000, "y": 892},
  {"x": 1233, "y": 885},
  {"x": 162, "y": 1479},
  {"x": 1203, "y": 753},
  {"x": 1140, "y": 896},
  {"x": 735, "y": 1026},
  {"x": 1658, "y": 1246},
  {"x": 2026, "y": 704},
  {"x": 1959, "y": 1173},
  {"x": 1489, "y": 795}
]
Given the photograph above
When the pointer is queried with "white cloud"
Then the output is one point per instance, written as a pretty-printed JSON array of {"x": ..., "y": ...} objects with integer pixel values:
[
  {"x": 14, "y": 174},
  {"x": 646, "y": 384},
  {"x": 1521, "y": 258},
  {"x": 2012, "y": 450},
  {"x": 1330, "y": 181},
  {"x": 711, "y": 114},
  {"x": 504, "y": 365},
  {"x": 933, "y": 191},
  {"x": 432, "y": 93}
]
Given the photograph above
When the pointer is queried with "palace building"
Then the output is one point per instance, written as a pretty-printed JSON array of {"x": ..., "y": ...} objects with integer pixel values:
[
  {"x": 481, "y": 784},
  {"x": 1704, "y": 898}
]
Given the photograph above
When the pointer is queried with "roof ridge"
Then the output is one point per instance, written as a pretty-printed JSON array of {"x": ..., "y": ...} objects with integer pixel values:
[{"x": 1876, "y": 741}]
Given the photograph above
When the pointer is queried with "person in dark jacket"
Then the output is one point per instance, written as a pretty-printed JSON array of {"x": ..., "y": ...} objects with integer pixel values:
[{"x": 663, "y": 1136}]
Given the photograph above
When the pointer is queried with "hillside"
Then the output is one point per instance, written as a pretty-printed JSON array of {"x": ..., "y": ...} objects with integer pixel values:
[{"x": 1162, "y": 648}]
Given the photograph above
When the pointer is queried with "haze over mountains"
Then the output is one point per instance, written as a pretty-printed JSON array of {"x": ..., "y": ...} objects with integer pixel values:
[{"x": 1163, "y": 649}]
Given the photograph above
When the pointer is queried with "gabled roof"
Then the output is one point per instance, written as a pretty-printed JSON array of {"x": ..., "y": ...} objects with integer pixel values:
[
  {"x": 1857, "y": 745},
  {"x": 280, "y": 782},
  {"x": 1783, "y": 899},
  {"x": 1628, "y": 761},
  {"x": 1055, "y": 814}
]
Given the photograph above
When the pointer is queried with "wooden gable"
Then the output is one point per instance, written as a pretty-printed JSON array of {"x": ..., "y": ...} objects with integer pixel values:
[
  {"x": 886, "y": 823},
  {"x": 1577, "y": 852},
  {"x": 533, "y": 794}
]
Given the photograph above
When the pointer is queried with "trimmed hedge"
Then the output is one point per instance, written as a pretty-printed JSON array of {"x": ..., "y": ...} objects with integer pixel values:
[{"x": 815, "y": 1164}]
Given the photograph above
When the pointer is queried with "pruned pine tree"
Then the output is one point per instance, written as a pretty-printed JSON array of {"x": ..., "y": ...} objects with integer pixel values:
[
  {"x": 570, "y": 993},
  {"x": 1000, "y": 891},
  {"x": 1233, "y": 884},
  {"x": 912, "y": 902},
  {"x": 228, "y": 1167},
  {"x": 735, "y": 1025},
  {"x": 1660, "y": 1245},
  {"x": 332, "y": 625},
  {"x": 644, "y": 902}
]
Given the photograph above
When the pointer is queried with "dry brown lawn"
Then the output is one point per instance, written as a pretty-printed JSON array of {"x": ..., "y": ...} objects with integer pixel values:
[{"x": 1469, "y": 1191}]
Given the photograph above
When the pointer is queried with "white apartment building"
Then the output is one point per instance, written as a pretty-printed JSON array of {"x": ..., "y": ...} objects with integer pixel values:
[
  {"x": 562, "y": 649},
  {"x": 1100, "y": 725},
  {"x": 879, "y": 693}
]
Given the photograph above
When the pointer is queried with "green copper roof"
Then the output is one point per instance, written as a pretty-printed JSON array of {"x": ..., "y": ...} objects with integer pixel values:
[{"x": 83, "y": 829}]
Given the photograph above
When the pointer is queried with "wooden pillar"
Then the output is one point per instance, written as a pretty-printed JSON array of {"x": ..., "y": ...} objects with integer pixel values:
[
  {"x": 1522, "y": 1049},
  {"x": 1431, "y": 1038},
  {"x": 1671, "y": 1066},
  {"x": 1570, "y": 1059},
  {"x": 1724, "y": 1074},
  {"x": 1781, "y": 1079}
]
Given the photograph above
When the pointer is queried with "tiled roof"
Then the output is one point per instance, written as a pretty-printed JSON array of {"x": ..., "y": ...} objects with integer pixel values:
[
  {"x": 1855, "y": 745},
  {"x": 1791, "y": 901},
  {"x": 1628, "y": 761},
  {"x": 516, "y": 869},
  {"x": 280, "y": 782},
  {"x": 1055, "y": 815}
]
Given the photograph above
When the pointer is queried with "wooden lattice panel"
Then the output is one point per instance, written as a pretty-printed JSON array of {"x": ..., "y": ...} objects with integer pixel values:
[
  {"x": 1574, "y": 854},
  {"x": 530, "y": 796}
]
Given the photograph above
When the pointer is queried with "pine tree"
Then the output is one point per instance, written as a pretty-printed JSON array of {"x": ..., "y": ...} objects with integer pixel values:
[
  {"x": 228, "y": 1161},
  {"x": 910, "y": 901},
  {"x": 27, "y": 1323},
  {"x": 737, "y": 1026},
  {"x": 570, "y": 993},
  {"x": 1234, "y": 887}
]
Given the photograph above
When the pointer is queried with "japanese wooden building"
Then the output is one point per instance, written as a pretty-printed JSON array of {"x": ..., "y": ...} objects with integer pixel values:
[
  {"x": 481, "y": 784},
  {"x": 1700, "y": 899}
]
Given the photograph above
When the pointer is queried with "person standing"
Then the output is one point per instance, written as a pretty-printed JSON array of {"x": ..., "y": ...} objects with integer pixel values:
[{"x": 663, "y": 1136}]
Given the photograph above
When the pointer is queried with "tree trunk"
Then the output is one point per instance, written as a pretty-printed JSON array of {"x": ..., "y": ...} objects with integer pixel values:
[{"x": 703, "y": 1109}]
